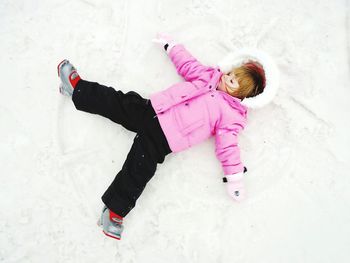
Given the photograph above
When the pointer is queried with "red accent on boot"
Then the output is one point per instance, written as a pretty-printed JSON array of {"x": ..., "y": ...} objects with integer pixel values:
[
  {"x": 58, "y": 67},
  {"x": 74, "y": 81},
  {"x": 113, "y": 215},
  {"x": 110, "y": 235}
]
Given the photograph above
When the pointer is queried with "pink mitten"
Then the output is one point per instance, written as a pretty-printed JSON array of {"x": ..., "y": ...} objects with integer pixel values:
[{"x": 235, "y": 186}]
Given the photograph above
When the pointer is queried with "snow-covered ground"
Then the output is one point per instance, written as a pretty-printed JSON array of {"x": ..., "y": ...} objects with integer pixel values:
[{"x": 56, "y": 162}]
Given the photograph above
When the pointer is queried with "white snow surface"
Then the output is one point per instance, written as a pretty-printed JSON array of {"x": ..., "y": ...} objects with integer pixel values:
[{"x": 56, "y": 162}]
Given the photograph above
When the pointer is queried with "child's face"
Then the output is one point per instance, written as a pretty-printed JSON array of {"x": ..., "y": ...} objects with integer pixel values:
[{"x": 228, "y": 83}]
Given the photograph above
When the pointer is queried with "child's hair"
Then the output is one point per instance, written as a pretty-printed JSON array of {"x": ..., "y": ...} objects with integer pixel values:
[{"x": 251, "y": 80}]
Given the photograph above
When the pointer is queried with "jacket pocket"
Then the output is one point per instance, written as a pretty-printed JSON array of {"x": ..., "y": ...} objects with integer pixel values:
[{"x": 187, "y": 118}]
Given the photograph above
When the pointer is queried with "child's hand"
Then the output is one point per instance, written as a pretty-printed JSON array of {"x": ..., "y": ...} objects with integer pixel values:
[
  {"x": 235, "y": 186},
  {"x": 165, "y": 40}
]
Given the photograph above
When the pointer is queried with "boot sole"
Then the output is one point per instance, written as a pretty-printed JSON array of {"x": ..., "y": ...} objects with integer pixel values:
[{"x": 115, "y": 237}]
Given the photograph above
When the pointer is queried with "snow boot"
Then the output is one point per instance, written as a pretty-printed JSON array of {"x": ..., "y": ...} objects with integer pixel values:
[
  {"x": 69, "y": 77},
  {"x": 111, "y": 223}
]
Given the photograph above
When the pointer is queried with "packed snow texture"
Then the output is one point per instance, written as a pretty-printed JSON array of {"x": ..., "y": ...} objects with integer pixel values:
[{"x": 56, "y": 162}]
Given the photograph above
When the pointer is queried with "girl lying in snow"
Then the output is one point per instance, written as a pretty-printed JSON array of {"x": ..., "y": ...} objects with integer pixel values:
[{"x": 210, "y": 102}]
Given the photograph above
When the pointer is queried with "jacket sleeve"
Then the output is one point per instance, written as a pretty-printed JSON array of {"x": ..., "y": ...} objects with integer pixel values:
[
  {"x": 227, "y": 150},
  {"x": 188, "y": 66}
]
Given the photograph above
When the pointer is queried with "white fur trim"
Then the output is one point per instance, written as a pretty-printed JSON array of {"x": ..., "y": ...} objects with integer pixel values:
[{"x": 235, "y": 59}]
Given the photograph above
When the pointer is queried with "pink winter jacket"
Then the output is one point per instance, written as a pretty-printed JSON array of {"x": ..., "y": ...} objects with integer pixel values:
[{"x": 192, "y": 111}]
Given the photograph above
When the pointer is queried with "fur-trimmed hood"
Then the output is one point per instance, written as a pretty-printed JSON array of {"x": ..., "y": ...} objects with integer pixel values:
[{"x": 235, "y": 59}]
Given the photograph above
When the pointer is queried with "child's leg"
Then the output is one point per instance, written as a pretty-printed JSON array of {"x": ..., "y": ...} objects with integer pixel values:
[
  {"x": 126, "y": 109},
  {"x": 138, "y": 169},
  {"x": 149, "y": 148}
]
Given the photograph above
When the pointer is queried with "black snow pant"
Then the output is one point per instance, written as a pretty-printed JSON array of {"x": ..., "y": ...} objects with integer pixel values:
[{"x": 150, "y": 146}]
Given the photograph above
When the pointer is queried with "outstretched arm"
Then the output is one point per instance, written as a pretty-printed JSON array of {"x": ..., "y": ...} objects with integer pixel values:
[
  {"x": 228, "y": 153},
  {"x": 186, "y": 65}
]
